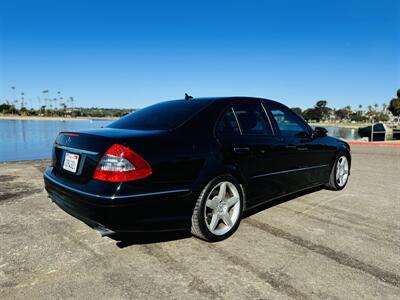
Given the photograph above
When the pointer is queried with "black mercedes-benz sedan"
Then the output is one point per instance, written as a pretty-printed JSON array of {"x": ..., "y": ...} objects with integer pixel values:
[{"x": 194, "y": 164}]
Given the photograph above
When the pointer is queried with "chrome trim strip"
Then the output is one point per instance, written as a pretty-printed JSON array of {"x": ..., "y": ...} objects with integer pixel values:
[
  {"x": 269, "y": 121},
  {"x": 76, "y": 150},
  {"x": 290, "y": 171},
  {"x": 237, "y": 121},
  {"x": 114, "y": 196}
]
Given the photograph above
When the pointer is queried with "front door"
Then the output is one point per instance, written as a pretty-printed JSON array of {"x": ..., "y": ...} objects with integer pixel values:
[{"x": 297, "y": 135}]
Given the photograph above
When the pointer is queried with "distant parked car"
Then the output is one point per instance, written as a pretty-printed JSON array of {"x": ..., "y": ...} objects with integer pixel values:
[{"x": 191, "y": 164}]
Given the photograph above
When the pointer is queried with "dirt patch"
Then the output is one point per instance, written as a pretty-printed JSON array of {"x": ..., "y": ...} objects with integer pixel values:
[
  {"x": 11, "y": 190},
  {"x": 7, "y": 178}
]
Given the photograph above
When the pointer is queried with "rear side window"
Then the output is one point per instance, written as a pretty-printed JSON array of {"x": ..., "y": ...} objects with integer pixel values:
[
  {"x": 288, "y": 122},
  {"x": 252, "y": 119},
  {"x": 161, "y": 116},
  {"x": 228, "y": 125}
]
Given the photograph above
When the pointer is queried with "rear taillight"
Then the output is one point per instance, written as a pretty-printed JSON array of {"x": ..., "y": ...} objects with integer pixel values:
[{"x": 121, "y": 164}]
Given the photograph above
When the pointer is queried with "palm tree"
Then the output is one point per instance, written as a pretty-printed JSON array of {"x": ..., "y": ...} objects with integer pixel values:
[
  {"x": 13, "y": 89},
  {"x": 59, "y": 97},
  {"x": 69, "y": 103},
  {"x": 45, "y": 98},
  {"x": 55, "y": 104},
  {"x": 72, "y": 102},
  {"x": 15, "y": 105},
  {"x": 64, "y": 108},
  {"x": 22, "y": 100},
  {"x": 359, "y": 112}
]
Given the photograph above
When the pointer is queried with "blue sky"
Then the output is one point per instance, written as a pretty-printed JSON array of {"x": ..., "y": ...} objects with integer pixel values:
[{"x": 135, "y": 53}]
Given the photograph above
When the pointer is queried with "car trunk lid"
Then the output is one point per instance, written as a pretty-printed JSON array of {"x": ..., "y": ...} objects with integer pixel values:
[{"x": 76, "y": 154}]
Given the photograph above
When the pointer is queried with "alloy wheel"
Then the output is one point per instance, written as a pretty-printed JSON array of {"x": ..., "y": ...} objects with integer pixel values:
[
  {"x": 222, "y": 208},
  {"x": 342, "y": 171}
]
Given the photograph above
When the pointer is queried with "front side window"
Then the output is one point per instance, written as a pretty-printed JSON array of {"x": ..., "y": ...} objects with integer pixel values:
[
  {"x": 252, "y": 119},
  {"x": 289, "y": 124}
]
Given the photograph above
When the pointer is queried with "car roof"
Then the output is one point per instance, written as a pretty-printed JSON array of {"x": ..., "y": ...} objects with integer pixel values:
[{"x": 231, "y": 99}]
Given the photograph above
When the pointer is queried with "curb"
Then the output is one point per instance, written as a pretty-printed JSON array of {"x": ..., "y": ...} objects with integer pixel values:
[{"x": 374, "y": 143}]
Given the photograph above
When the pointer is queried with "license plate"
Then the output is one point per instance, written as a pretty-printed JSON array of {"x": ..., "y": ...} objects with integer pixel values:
[{"x": 71, "y": 162}]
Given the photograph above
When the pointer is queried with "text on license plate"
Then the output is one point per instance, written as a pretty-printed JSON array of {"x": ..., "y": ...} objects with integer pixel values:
[{"x": 71, "y": 162}]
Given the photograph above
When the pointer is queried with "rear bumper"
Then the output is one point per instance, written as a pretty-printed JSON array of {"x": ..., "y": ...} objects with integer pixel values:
[{"x": 151, "y": 211}]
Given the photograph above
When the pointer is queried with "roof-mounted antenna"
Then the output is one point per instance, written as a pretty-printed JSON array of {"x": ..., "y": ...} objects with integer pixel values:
[{"x": 187, "y": 97}]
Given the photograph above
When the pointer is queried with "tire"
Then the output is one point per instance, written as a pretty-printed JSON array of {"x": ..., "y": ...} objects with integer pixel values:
[
  {"x": 339, "y": 174},
  {"x": 214, "y": 207}
]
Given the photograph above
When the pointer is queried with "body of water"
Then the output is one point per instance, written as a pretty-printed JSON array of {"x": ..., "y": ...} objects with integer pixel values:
[
  {"x": 33, "y": 139},
  {"x": 350, "y": 134}
]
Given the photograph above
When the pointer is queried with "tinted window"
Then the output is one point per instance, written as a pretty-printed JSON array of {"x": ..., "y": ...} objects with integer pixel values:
[
  {"x": 252, "y": 119},
  {"x": 288, "y": 122},
  {"x": 228, "y": 125},
  {"x": 164, "y": 115}
]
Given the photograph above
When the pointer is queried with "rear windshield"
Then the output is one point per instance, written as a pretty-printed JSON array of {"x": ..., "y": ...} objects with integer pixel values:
[{"x": 161, "y": 116}]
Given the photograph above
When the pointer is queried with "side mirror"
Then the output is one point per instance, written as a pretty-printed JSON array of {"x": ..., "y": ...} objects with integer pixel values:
[{"x": 320, "y": 132}]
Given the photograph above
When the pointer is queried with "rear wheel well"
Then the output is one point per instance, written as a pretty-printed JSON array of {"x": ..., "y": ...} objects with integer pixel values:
[{"x": 230, "y": 170}]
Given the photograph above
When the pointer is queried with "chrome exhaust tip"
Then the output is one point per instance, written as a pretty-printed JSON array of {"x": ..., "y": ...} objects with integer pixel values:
[{"x": 103, "y": 231}]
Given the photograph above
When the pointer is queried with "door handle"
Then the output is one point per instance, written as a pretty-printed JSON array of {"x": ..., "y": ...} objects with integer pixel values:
[
  {"x": 291, "y": 147},
  {"x": 302, "y": 148},
  {"x": 241, "y": 150},
  {"x": 294, "y": 147}
]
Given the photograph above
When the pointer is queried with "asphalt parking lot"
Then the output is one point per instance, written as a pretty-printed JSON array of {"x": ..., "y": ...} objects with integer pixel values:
[{"x": 324, "y": 244}]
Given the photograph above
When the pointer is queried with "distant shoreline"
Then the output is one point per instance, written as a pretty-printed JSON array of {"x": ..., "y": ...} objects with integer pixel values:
[{"x": 37, "y": 118}]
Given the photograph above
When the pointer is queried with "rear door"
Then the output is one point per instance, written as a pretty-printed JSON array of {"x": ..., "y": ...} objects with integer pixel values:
[{"x": 248, "y": 140}]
